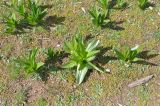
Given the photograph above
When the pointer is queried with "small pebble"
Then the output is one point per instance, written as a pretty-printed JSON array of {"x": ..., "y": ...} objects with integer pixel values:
[
  {"x": 83, "y": 10},
  {"x": 58, "y": 45},
  {"x": 151, "y": 8},
  {"x": 159, "y": 13}
]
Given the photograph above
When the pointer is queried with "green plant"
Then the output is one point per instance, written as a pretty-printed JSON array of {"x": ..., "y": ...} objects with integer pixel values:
[
  {"x": 143, "y": 3},
  {"x": 98, "y": 17},
  {"x": 128, "y": 54},
  {"x": 18, "y": 6},
  {"x": 42, "y": 102},
  {"x": 50, "y": 53},
  {"x": 104, "y": 4},
  {"x": 28, "y": 13},
  {"x": 121, "y": 3},
  {"x": 12, "y": 23},
  {"x": 81, "y": 56},
  {"x": 29, "y": 64},
  {"x": 35, "y": 14}
]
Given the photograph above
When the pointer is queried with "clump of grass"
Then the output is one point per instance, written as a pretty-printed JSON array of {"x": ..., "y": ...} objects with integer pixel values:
[
  {"x": 21, "y": 97},
  {"x": 42, "y": 102}
]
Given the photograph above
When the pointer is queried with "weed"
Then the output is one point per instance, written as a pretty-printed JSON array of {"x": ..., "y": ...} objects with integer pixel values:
[
  {"x": 81, "y": 56},
  {"x": 42, "y": 102},
  {"x": 21, "y": 97}
]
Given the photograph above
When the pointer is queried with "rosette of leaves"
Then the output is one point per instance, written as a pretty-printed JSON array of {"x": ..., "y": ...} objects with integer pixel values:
[
  {"x": 29, "y": 64},
  {"x": 98, "y": 17},
  {"x": 128, "y": 54},
  {"x": 35, "y": 13},
  {"x": 81, "y": 55}
]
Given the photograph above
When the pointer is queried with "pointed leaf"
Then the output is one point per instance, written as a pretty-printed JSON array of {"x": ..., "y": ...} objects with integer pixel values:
[{"x": 70, "y": 64}]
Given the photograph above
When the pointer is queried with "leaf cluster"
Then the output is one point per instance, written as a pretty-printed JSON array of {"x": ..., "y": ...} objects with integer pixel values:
[
  {"x": 23, "y": 14},
  {"x": 29, "y": 64},
  {"x": 81, "y": 56},
  {"x": 128, "y": 54}
]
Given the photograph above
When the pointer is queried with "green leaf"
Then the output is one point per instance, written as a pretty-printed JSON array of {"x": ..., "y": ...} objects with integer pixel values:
[
  {"x": 137, "y": 59},
  {"x": 70, "y": 64},
  {"x": 92, "y": 45},
  {"x": 95, "y": 67},
  {"x": 81, "y": 73},
  {"x": 119, "y": 54},
  {"x": 40, "y": 64},
  {"x": 92, "y": 53}
]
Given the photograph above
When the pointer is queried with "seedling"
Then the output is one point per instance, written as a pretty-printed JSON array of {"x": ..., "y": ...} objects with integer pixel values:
[
  {"x": 50, "y": 53},
  {"x": 30, "y": 14},
  {"x": 81, "y": 56},
  {"x": 128, "y": 55},
  {"x": 18, "y": 6},
  {"x": 98, "y": 17},
  {"x": 143, "y": 3},
  {"x": 35, "y": 14},
  {"x": 104, "y": 4},
  {"x": 29, "y": 64},
  {"x": 12, "y": 23}
]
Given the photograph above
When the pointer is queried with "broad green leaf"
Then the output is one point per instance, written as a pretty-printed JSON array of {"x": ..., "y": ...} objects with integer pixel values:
[
  {"x": 70, "y": 64},
  {"x": 95, "y": 67},
  {"x": 40, "y": 64},
  {"x": 119, "y": 54},
  {"x": 81, "y": 73},
  {"x": 92, "y": 45}
]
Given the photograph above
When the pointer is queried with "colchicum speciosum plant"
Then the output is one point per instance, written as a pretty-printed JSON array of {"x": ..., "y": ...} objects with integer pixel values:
[
  {"x": 128, "y": 55},
  {"x": 104, "y": 5},
  {"x": 98, "y": 17},
  {"x": 81, "y": 56},
  {"x": 29, "y": 64},
  {"x": 29, "y": 13}
]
